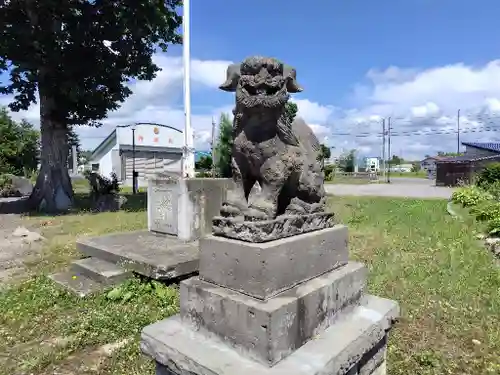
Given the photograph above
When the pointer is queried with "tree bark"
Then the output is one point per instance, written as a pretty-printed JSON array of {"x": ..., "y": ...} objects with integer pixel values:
[{"x": 53, "y": 191}]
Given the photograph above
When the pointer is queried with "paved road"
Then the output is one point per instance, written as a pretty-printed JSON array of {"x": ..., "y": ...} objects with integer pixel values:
[
  {"x": 396, "y": 189},
  {"x": 412, "y": 181}
]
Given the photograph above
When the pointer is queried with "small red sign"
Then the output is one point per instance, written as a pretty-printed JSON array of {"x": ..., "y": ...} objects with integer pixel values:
[
  {"x": 141, "y": 138},
  {"x": 155, "y": 140}
]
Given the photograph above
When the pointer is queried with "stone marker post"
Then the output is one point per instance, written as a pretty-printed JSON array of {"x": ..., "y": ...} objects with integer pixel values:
[{"x": 276, "y": 292}]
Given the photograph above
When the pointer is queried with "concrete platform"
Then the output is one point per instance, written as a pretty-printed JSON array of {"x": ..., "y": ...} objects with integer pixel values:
[
  {"x": 353, "y": 345},
  {"x": 268, "y": 331},
  {"x": 160, "y": 257}
]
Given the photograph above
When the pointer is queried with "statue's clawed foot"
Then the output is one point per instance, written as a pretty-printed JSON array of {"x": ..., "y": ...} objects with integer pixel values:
[
  {"x": 229, "y": 210},
  {"x": 254, "y": 214},
  {"x": 299, "y": 207}
]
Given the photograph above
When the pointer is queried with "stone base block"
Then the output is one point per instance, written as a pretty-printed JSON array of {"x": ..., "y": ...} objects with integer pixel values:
[
  {"x": 263, "y": 270},
  {"x": 270, "y": 230},
  {"x": 270, "y": 330},
  {"x": 344, "y": 348}
]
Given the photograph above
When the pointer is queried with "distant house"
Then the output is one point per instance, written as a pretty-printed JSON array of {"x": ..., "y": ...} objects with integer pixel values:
[
  {"x": 372, "y": 164},
  {"x": 478, "y": 149},
  {"x": 429, "y": 164},
  {"x": 148, "y": 148},
  {"x": 451, "y": 171}
]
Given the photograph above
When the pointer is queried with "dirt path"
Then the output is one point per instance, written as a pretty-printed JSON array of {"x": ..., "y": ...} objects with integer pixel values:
[{"x": 18, "y": 243}]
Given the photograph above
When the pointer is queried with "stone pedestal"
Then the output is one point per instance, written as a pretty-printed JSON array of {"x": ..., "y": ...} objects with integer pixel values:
[
  {"x": 185, "y": 207},
  {"x": 291, "y": 306}
]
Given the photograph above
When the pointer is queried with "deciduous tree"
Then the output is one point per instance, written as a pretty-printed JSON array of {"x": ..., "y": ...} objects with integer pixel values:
[
  {"x": 291, "y": 110},
  {"x": 19, "y": 146},
  {"x": 76, "y": 57},
  {"x": 223, "y": 149}
]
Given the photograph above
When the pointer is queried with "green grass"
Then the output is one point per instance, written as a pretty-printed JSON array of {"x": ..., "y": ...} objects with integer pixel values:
[
  {"x": 445, "y": 281},
  {"x": 419, "y": 174}
]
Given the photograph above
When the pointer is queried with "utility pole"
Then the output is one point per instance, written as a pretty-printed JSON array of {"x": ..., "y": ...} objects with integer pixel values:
[
  {"x": 389, "y": 149},
  {"x": 458, "y": 131},
  {"x": 213, "y": 147},
  {"x": 383, "y": 149},
  {"x": 188, "y": 149}
]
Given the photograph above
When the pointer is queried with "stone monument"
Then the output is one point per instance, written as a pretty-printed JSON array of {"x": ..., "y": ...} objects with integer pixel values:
[{"x": 276, "y": 293}]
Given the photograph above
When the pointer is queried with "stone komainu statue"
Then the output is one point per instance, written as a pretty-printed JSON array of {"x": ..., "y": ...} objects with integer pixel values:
[{"x": 268, "y": 148}]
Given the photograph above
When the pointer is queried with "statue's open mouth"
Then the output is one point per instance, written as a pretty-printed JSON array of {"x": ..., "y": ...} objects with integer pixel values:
[
  {"x": 263, "y": 90},
  {"x": 261, "y": 94}
]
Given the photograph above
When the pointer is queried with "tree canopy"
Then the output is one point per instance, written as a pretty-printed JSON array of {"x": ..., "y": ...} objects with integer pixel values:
[
  {"x": 82, "y": 53},
  {"x": 19, "y": 145},
  {"x": 76, "y": 58},
  {"x": 291, "y": 110},
  {"x": 224, "y": 147},
  {"x": 324, "y": 154}
]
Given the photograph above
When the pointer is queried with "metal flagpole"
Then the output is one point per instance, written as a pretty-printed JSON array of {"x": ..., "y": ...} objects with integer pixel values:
[{"x": 188, "y": 151}]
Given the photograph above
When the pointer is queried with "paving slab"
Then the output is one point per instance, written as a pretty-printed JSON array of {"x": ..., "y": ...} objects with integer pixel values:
[
  {"x": 339, "y": 350},
  {"x": 160, "y": 257}
]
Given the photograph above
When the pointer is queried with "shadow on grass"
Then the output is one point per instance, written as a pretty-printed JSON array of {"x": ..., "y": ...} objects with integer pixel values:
[{"x": 82, "y": 204}]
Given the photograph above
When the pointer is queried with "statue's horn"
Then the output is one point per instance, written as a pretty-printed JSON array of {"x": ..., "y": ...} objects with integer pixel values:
[
  {"x": 292, "y": 86},
  {"x": 232, "y": 78}
]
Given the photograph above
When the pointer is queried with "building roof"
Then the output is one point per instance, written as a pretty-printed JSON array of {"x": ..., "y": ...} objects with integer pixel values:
[
  {"x": 489, "y": 146},
  {"x": 113, "y": 134},
  {"x": 438, "y": 157},
  {"x": 467, "y": 158}
]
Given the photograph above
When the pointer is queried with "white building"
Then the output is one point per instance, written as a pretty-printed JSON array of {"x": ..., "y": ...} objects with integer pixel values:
[
  {"x": 372, "y": 164},
  {"x": 158, "y": 148}
]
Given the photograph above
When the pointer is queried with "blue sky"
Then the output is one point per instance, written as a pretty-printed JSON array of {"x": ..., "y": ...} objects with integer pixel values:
[
  {"x": 417, "y": 61},
  {"x": 335, "y": 43}
]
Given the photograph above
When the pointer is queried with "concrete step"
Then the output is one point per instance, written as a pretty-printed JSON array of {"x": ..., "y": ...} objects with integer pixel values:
[
  {"x": 160, "y": 257},
  {"x": 78, "y": 284},
  {"x": 100, "y": 270}
]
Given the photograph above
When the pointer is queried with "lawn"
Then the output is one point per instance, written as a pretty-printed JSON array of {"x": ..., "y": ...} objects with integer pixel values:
[{"x": 446, "y": 283}]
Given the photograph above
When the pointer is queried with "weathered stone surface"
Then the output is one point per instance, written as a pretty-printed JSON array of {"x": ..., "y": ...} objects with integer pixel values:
[
  {"x": 181, "y": 350},
  {"x": 160, "y": 257},
  {"x": 99, "y": 270},
  {"x": 185, "y": 207},
  {"x": 22, "y": 185},
  {"x": 273, "y": 229},
  {"x": 373, "y": 362},
  {"x": 262, "y": 270},
  {"x": 81, "y": 285},
  {"x": 270, "y": 146},
  {"x": 269, "y": 331},
  {"x": 109, "y": 203}
]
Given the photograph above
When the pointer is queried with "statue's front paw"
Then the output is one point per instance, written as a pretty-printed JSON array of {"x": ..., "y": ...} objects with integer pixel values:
[
  {"x": 253, "y": 214},
  {"x": 229, "y": 210}
]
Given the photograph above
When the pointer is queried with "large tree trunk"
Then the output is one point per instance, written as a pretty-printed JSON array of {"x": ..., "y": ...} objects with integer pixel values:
[{"x": 53, "y": 191}]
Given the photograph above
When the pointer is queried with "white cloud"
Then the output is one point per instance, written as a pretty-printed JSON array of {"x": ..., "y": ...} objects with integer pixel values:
[
  {"x": 427, "y": 100},
  {"x": 415, "y": 99},
  {"x": 154, "y": 101}
]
